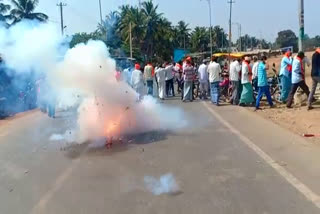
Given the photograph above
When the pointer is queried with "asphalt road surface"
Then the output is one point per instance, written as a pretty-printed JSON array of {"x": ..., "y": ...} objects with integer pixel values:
[{"x": 228, "y": 160}]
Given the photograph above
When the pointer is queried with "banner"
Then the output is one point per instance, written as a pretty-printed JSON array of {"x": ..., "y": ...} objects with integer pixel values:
[{"x": 179, "y": 54}]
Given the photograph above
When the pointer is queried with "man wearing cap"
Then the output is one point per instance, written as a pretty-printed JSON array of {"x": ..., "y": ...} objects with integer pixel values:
[
  {"x": 298, "y": 78},
  {"x": 137, "y": 81},
  {"x": 149, "y": 75},
  {"x": 203, "y": 79},
  {"x": 188, "y": 71},
  {"x": 246, "y": 78},
  {"x": 285, "y": 75},
  {"x": 315, "y": 74}
]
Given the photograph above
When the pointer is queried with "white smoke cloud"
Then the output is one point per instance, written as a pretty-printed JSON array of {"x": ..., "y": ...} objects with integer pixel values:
[
  {"x": 30, "y": 45},
  {"x": 84, "y": 76},
  {"x": 166, "y": 184}
]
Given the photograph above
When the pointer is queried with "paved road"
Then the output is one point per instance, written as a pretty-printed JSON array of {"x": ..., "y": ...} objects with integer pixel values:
[{"x": 223, "y": 163}]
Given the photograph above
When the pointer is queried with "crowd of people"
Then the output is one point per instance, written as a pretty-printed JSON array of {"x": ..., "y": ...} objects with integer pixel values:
[{"x": 236, "y": 82}]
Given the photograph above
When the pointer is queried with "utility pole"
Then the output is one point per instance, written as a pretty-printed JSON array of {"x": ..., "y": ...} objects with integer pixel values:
[
  {"x": 101, "y": 21},
  {"x": 210, "y": 29},
  {"x": 301, "y": 24},
  {"x": 240, "y": 34},
  {"x": 61, "y": 5},
  {"x": 230, "y": 25},
  {"x": 130, "y": 37}
]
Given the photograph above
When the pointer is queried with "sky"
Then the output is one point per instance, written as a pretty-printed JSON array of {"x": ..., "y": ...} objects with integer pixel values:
[{"x": 261, "y": 18}]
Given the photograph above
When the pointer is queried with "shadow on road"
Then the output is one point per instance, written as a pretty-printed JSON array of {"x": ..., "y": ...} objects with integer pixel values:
[{"x": 99, "y": 148}]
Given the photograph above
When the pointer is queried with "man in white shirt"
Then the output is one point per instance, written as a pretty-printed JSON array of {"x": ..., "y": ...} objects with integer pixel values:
[
  {"x": 137, "y": 81},
  {"x": 255, "y": 68},
  {"x": 203, "y": 79},
  {"x": 161, "y": 80},
  {"x": 246, "y": 79},
  {"x": 214, "y": 71},
  {"x": 235, "y": 81},
  {"x": 169, "y": 80}
]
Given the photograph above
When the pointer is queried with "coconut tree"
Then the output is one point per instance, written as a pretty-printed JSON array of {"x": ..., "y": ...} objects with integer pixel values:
[
  {"x": 183, "y": 33},
  {"x": 24, "y": 9},
  {"x": 4, "y": 8},
  {"x": 200, "y": 39},
  {"x": 132, "y": 16},
  {"x": 152, "y": 24}
]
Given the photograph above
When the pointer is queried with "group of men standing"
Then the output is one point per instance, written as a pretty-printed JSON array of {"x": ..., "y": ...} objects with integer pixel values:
[
  {"x": 245, "y": 75},
  {"x": 292, "y": 74},
  {"x": 163, "y": 76}
]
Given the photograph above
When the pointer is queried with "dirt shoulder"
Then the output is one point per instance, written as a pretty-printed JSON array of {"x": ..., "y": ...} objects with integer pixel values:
[{"x": 298, "y": 119}]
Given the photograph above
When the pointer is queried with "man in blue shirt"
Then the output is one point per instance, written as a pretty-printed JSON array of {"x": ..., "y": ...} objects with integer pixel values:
[
  {"x": 263, "y": 86},
  {"x": 298, "y": 78},
  {"x": 285, "y": 75}
]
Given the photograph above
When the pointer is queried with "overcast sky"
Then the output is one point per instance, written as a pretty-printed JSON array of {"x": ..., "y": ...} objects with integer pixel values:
[{"x": 261, "y": 18}]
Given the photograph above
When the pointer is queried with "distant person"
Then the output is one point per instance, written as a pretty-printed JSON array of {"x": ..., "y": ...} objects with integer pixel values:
[
  {"x": 137, "y": 81},
  {"x": 188, "y": 72},
  {"x": 298, "y": 78},
  {"x": 235, "y": 81},
  {"x": 179, "y": 73},
  {"x": 255, "y": 73},
  {"x": 275, "y": 72},
  {"x": 246, "y": 79},
  {"x": 264, "y": 88},
  {"x": 161, "y": 79},
  {"x": 42, "y": 91},
  {"x": 203, "y": 79},
  {"x": 149, "y": 76},
  {"x": 169, "y": 80},
  {"x": 286, "y": 76},
  {"x": 315, "y": 74},
  {"x": 214, "y": 70}
]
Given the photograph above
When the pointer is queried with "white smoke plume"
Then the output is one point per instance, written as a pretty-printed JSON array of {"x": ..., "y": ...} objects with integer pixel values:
[
  {"x": 84, "y": 76},
  {"x": 166, "y": 184}
]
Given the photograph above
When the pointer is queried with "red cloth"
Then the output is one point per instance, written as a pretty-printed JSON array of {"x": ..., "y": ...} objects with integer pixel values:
[
  {"x": 289, "y": 67},
  {"x": 250, "y": 70},
  {"x": 137, "y": 66},
  {"x": 118, "y": 76},
  {"x": 225, "y": 82}
]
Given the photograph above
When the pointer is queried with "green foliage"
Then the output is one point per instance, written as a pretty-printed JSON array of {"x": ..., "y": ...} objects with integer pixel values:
[
  {"x": 4, "y": 8},
  {"x": 84, "y": 38},
  {"x": 311, "y": 43},
  {"x": 287, "y": 38},
  {"x": 24, "y": 9}
]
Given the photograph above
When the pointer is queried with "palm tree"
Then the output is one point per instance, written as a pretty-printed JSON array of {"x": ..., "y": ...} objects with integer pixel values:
[
  {"x": 134, "y": 16},
  {"x": 152, "y": 21},
  {"x": 165, "y": 40},
  {"x": 183, "y": 33},
  {"x": 219, "y": 37},
  {"x": 200, "y": 39},
  {"x": 108, "y": 26},
  {"x": 24, "y": 9},
  {"x": 4, "y": 8}
]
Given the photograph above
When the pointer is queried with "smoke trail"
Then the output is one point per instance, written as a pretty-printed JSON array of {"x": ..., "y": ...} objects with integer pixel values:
[{"x": 166, "y": 184}]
